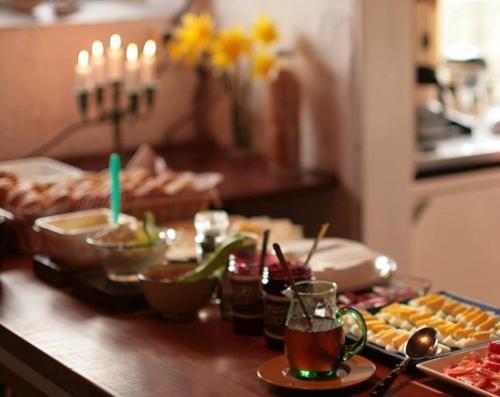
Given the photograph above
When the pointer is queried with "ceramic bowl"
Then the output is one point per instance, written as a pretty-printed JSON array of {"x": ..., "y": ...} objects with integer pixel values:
[{"x": 175, "y": 300}]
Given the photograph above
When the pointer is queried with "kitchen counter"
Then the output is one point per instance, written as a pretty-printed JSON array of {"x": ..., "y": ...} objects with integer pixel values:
[
  {"x": 472, "y": 147},
  {"x": 459, "y": 154}
]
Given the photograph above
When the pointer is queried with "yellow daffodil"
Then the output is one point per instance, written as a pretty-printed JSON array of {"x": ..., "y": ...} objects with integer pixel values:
[
  {"x": 264, "y": 30},
  {"x": 196, "y": 31},
  {"x": 192, "y": 38},
  {"x": 262, "y": 63},
  {"x": 176, "y": 50},
  {"x": 229, "y": 46}
]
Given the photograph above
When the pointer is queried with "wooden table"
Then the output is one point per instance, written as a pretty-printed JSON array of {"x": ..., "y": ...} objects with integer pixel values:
[{"x": 53, "y": 345}]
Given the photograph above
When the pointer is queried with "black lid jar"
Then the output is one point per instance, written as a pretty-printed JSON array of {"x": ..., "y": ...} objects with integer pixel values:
[{"x": 275, "y": 280}]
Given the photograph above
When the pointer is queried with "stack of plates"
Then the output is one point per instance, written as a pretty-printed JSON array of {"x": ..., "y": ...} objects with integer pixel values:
[{"x": 350, "y": 264}]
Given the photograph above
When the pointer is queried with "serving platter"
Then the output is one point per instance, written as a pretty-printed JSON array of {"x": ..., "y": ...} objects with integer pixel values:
[
  {"x": 436, "y": 366},
  {"x": 379, "y": 353}
]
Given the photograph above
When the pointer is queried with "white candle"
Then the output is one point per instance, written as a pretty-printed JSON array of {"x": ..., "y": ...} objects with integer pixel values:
[
  {"x": 98, "y": 63},
  {"x": 83, "y": 72},
  {"x": 115, "y": 58},
  {"x": 148, "y": 64},
  {"x": 132, "y": 68}
]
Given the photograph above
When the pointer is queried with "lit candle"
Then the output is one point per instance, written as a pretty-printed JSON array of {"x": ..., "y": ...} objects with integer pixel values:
[
  {"x": 83, "y": 72},
  {"x": 132, "y": 68},
  {"x": 115, "y": 58},
  {"x": 98, "y": 63},
  {"x": 148, "y": 63}
]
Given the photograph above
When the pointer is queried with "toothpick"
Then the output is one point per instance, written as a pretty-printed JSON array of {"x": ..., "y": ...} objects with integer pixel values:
[
  {"x": 287, "y": 270},
  {"x": 321, "y": 234}
]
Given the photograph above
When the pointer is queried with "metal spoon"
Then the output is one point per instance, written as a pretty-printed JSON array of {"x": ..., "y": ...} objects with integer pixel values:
[{"x": 422, "y": 344}]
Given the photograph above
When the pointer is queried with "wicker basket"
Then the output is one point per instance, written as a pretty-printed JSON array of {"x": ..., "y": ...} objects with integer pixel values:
[
  {"x": 25, "y": 240},
  {"x": 171, "y": 208}
]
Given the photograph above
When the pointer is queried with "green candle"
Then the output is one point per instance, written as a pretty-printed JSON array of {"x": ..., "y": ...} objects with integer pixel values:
[{"x": 114, "y": 173}]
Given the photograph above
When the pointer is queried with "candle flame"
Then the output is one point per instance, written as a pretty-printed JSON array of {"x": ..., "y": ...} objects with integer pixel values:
[
  {"x": 97, "y": 48},
  {"x": 149, "y": 48},
  {"x": 115, "y": 42},
  {"x": 132, "y": 52},
  {"x": 83, "y": 58}
]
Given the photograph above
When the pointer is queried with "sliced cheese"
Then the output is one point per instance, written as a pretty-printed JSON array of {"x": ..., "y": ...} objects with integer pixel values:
[
  {"x": 462, "y": 333},
  {"x": 420, "y": 316}
]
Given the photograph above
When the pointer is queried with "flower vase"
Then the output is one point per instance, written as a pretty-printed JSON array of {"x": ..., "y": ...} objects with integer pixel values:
[
  {"x": 240, "y": 127},
  {"x": 201, "y": 108}
]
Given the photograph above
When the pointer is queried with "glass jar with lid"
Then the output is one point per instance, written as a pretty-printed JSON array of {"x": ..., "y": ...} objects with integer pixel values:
[{"x": 211, "y": 230}]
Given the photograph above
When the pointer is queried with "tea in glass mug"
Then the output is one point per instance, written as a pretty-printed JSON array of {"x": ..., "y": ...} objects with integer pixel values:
[{"x": 316, "y": 348}]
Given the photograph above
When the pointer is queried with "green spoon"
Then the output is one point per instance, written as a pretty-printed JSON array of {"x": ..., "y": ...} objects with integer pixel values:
[{"x": 114, "y": 173}]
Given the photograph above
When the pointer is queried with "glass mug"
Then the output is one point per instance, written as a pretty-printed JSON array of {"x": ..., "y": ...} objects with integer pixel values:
[{"x": 317, "y": 351}]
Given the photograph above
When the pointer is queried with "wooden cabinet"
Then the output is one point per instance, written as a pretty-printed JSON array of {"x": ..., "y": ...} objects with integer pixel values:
[{"x": 456, "y": 233}]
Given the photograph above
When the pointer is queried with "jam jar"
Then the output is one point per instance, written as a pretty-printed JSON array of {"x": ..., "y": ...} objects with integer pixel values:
[
  {"x": 246, "y": 294},
  {"x": 245, "y": 254},
  {"x": 247, "y": 298},
  {"x": 275, "y": 280}
]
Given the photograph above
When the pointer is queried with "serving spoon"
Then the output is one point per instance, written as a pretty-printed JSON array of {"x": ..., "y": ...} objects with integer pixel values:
[{"x": 422, "y": 344}]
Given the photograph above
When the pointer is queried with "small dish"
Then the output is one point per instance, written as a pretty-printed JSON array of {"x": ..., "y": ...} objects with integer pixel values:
[
  {"x": 175, "y": 300},
  {"x": 436, "y": 368},
  {"x": 122, "y": 262},
  {"x": 351, "y": 372}
]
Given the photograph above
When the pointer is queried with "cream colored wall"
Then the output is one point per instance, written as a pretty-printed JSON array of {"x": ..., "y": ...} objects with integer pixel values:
[
  {"x": 321, "y": 32},
  {"x": 324, "y": 34},
  {"x": 388, "y": 126},
  {"x": 36, "y": 88}
]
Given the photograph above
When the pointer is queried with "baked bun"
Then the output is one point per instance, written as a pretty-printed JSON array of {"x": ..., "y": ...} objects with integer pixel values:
[
  {"x": 9, "y": 175},
  {"x": 6, "y": 185}
]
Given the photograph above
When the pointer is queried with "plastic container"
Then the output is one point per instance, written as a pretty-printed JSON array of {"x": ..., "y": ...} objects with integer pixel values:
[{"x": 63, "y": 236}]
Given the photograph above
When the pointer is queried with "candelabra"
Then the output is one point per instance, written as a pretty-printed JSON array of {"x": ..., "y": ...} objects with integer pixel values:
[
  {"x": 103, "y": 82},
  {"x": 110, "y": 108}
]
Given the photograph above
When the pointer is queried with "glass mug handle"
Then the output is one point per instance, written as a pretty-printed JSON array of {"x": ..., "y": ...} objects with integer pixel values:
[{"x": 350, "y": 350}]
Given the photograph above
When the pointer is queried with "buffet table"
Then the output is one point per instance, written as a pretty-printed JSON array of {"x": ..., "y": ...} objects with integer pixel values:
[{"x": 54, "y": 345}]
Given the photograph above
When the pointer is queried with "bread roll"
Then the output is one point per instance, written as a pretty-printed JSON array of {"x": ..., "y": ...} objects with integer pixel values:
[
  {"x": 6, "y": 185},
  {"x": 17, "y": 193},
  {"x": 9, "y": 175}
]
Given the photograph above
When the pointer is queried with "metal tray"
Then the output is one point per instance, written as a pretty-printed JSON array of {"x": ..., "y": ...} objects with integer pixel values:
[{"x": 380, "y": 354}]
